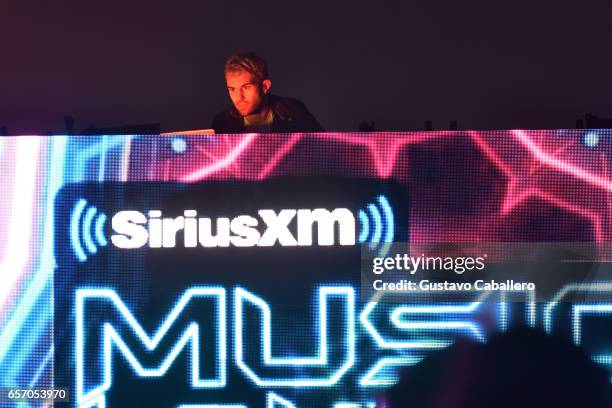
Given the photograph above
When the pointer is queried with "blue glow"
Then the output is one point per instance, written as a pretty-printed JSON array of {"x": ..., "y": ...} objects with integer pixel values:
[
  {"x": 61, "y": 168},
  {"x": 582, "y": 309},
  {"x": 504, "y": 314},
  {"x": 365, "y": 226},
  {"x": 402, "y": 344},
  {"x": 591, "y": 139},
  {"x": 549, "y": 309},
  {"x": 322, "y": 318},
  {"x": 502, "y": 309},
  {"x": 372, "y": 377},
  {"x": 604, "y": 359},
  {"x": 102, "y": 162},
  {"x": 319, "y": 364},
  {"x": 398, "y": 314},
  {"x": 389, "y": 219},
  {"x": 96, "y": 402},
  {"x": 530, "y": 311},
  {"x": 27, "y": 339},
  {"x": 111, "y": 337},
  {"x": 86, "y": 230},
  {"x": 74, "y": 230},
  {"x": 43, "y": 366},
  {"x": 415, "y": 328},
  {"x": 179, "y": 144},
  {"x": 91, "y": 151},
  {"x": 377, "y": 225},
  {"x": 99, "y": 230},
  {"x": 276, "y": 401},
  {"x": 380, "y": 222},
  {"x": 211, "y": 406},
  {"x": 87, "y": 220},
  {"x": 40, "y": 279}
]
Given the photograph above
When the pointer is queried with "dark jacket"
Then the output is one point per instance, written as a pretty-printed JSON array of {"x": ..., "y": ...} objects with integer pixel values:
[{"x": 290, "y": 115}]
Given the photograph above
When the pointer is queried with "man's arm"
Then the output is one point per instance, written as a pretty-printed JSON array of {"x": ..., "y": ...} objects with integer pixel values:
[{"x": 226, "y": 122}]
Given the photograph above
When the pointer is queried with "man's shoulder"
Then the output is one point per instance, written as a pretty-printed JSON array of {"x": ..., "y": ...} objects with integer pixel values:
[
  {"x": 293, "y": 116},
  {"x": 288, "y": 106}
]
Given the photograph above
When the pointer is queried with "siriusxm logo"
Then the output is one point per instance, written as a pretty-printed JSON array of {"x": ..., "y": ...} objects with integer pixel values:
[{"x": 133, "y": 229}]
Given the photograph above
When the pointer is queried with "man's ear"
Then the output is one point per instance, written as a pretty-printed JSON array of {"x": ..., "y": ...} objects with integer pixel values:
[{"x": 266, "y": 84}]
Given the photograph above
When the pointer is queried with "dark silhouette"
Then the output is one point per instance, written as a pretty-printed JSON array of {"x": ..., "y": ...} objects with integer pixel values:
[
  {"x": 522, "y": 368},
  {"x": 145, "y": 129},
  {"x": 69, "y": 125},
  {"x": 595, "y": 122},
  {"x": 366, "y": 126}
]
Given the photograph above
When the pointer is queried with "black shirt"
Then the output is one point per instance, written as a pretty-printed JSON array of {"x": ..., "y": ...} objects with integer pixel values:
[{"x": 290, "y": 115}]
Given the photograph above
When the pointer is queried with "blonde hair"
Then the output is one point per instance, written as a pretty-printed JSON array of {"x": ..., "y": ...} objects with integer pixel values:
[{"x": 248, "y": 62}]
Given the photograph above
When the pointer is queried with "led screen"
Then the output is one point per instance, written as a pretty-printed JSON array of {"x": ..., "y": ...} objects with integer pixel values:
[{"x": 226, "y": 270}]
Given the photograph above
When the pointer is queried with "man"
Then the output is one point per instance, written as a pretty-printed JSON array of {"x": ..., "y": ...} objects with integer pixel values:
[{"x": 255, "y": 109}]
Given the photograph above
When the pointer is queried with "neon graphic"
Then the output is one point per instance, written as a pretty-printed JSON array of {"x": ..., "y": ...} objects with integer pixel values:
[
  {"x": 111, "y": 338},
  {"x": 276, "y": 401},
  {"x": 16, "y": 248},
  {"x": 413, "y": 328},
  {"x": 326, "y": 376},
  {"x": 530, "y": 309},
  {"x": 372, "y": 377},
  {"x": 223, "y": 162},
  {"x": 211, "y": 406},
  {"x": 86, "y": 230},
  {"x": 380, "y": 222},
  {"x": 398, "y": 314},
  {"x": 595, "y": 287}
]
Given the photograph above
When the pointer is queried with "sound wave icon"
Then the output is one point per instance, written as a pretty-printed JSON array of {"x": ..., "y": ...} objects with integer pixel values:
[
  {"x": 86, "y": 222},
  {"x": 377, "y": 225}
]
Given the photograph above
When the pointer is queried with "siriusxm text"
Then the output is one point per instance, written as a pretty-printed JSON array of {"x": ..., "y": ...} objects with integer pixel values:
[{"x": 133, "y": 229}]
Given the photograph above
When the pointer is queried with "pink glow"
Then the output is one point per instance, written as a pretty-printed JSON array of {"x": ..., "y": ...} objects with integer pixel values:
[
  {"x": 25, "y": 164},
  {"x": 560, "y": 165},
  {"x": 280, "y": 154},
  {"x": 383, "y": 148},
  {"x": 522, "y": 183},
  {"x": 530, "y": 171},
  {"x": 222, "y": 163}
]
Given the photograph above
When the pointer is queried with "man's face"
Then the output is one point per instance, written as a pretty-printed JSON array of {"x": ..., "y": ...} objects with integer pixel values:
[{"x": 246, "y": 92}]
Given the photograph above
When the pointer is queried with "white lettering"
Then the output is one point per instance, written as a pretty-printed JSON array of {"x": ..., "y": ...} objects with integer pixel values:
[
  {"x": 131, "y": 234},
  {"x": 134, "y": 230},
  {"x": 326, "y": 223},
  {"x": 244, "y": 228},
  {"x": 278, "y": 228}
]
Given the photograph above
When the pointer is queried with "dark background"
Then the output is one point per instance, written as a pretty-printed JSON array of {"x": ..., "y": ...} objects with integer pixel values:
[{"x": 486, "y": 64}]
